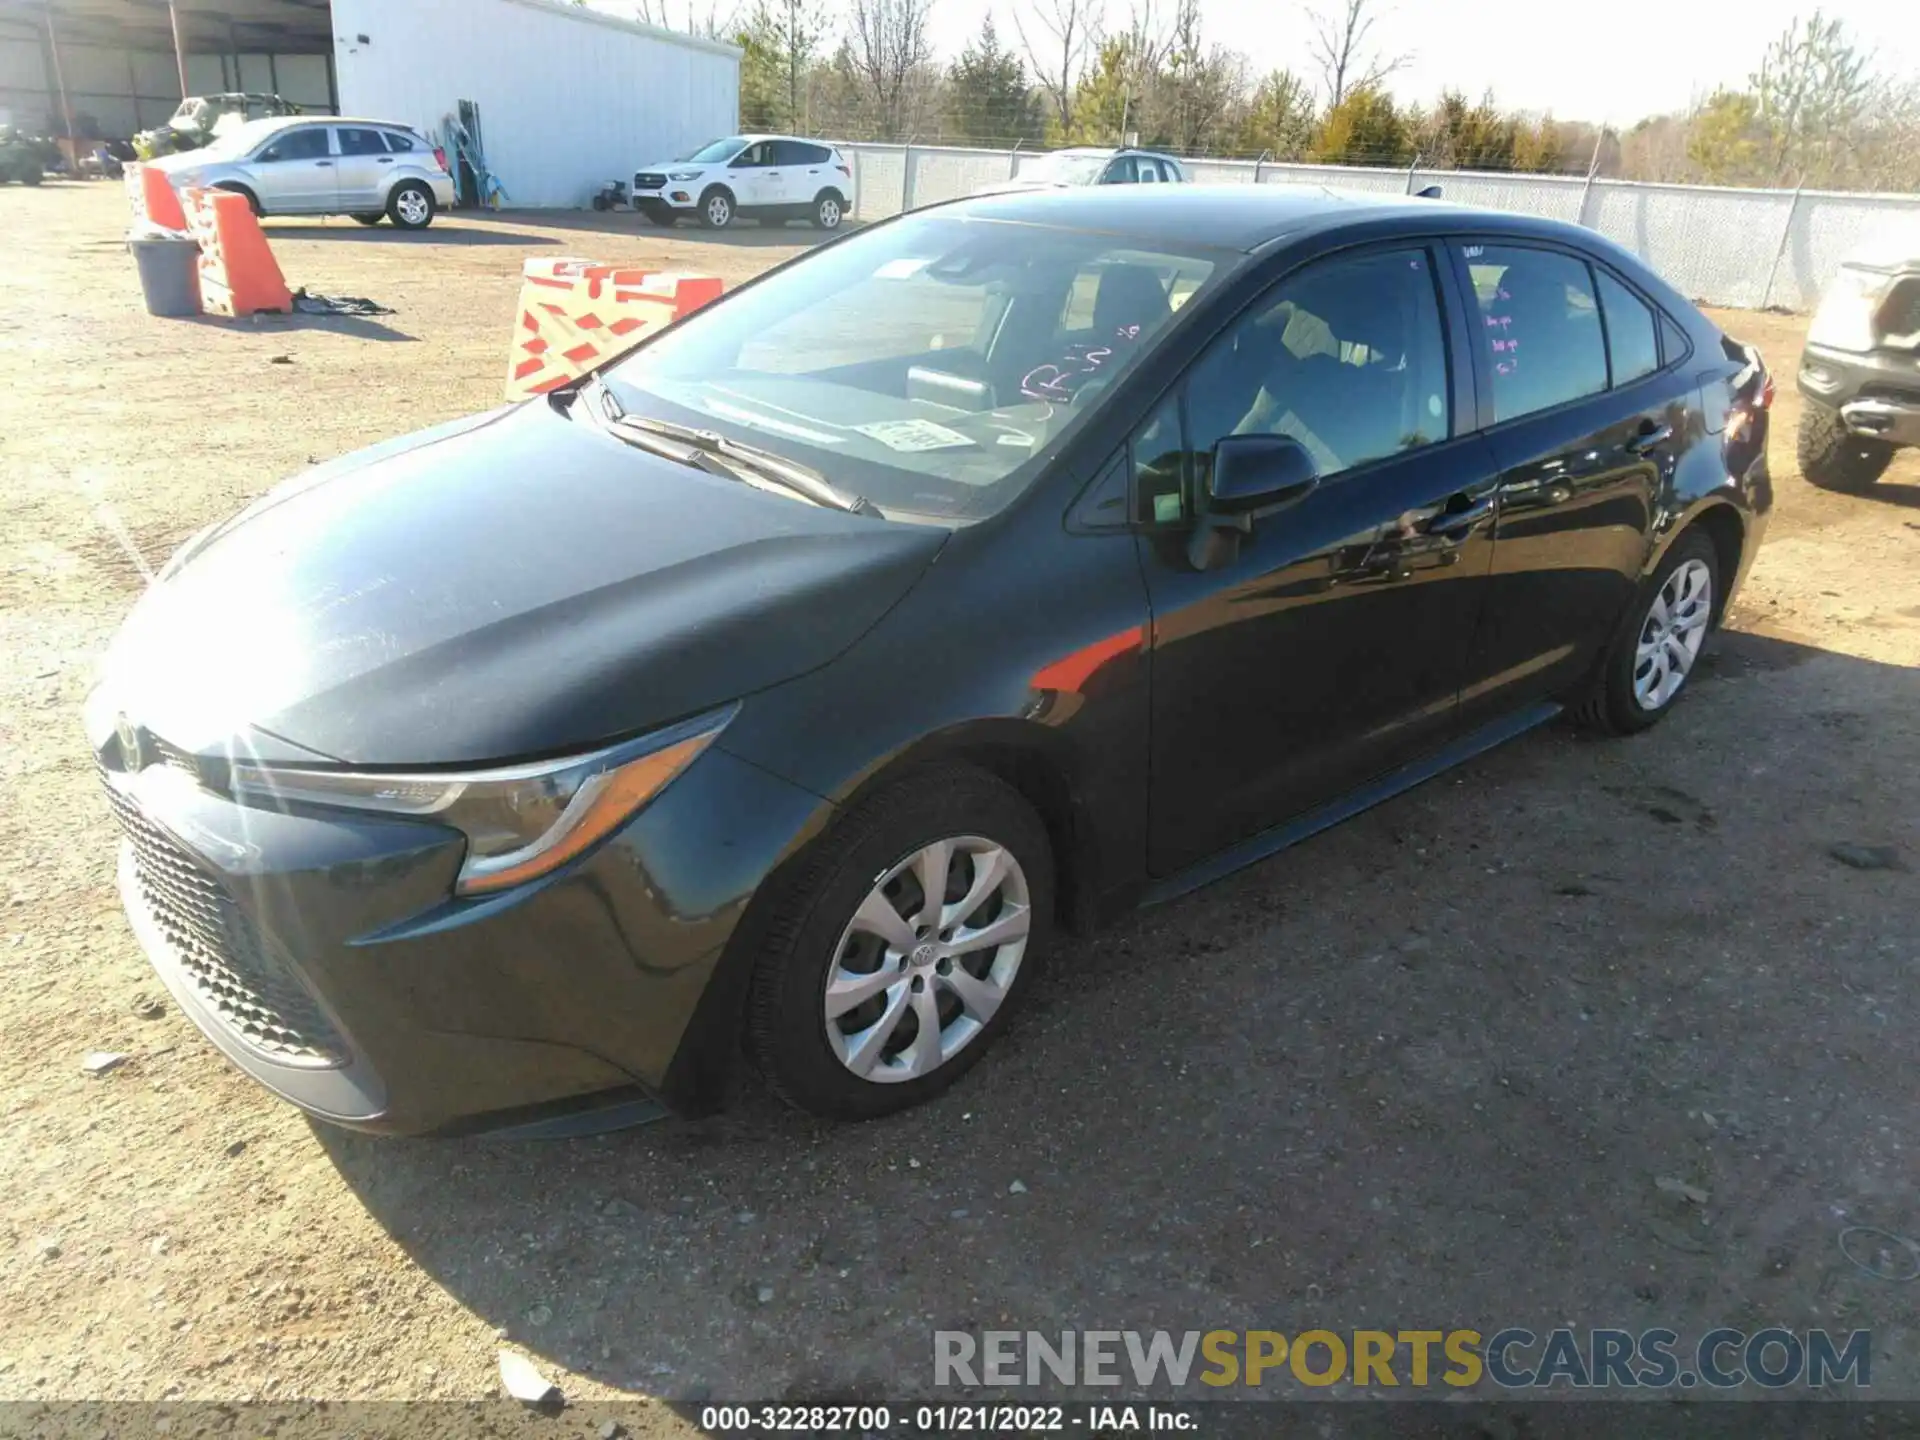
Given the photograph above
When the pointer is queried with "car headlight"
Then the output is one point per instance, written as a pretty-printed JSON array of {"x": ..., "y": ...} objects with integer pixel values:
[
  {"x": 521, "y": 821},
  {"x": 683, "y": 175},
  {"x": 1844, "y": 320}
]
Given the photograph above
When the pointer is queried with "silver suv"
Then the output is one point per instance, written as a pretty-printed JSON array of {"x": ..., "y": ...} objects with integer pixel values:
[{"x": 303, "y": 165}]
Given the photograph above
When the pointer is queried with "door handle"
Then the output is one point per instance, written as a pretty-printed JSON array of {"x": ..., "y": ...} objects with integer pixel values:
[
  {"x": 1451, "y": 523},
  {"x": 1650, "y": 435},
  {"x": 386, "y": 159},
  {"x": 321, "y": 164}
]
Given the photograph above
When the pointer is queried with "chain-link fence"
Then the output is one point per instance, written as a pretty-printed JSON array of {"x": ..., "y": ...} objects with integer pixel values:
[{"x": 1746, "y": 248}]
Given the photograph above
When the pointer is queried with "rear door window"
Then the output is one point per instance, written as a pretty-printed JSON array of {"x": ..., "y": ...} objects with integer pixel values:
[
  {"x": 794, "y": 152},
  {"x": 1539, "y": 327},
  {"x": 354, "y": 141},
  {"x": 1632, "y": 335},
  {"x": 398, "y": 143}
]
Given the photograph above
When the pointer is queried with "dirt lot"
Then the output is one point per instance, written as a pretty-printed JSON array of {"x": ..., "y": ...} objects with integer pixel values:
[{"x": 1425, "y": 1070}]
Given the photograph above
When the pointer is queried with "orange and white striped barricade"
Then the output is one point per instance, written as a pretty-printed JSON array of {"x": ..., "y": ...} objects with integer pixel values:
[
  {"x": 238, "y": 274},
  {"x": 577, "y": 314},
  {"x": 152, "y": 198}
]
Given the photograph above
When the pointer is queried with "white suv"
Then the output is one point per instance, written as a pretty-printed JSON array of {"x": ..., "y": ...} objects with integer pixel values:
[{"x": 771, "y": 177}]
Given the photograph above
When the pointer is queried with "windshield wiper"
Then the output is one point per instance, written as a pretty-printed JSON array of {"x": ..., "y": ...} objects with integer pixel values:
[{"x": 717, "y": 455}]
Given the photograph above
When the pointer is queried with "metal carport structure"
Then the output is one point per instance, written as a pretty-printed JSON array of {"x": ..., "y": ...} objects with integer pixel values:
[{"x": 102, "y": 69}]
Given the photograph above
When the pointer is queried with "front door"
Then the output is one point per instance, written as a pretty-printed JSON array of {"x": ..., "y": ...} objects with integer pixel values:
[
  {"x": 1333, "y": 647},
  {"x": 295, "y": 173},
  {"x": 364, "y": 167},
  {"x": 1586, "y": 417},
  {"x": 751, "y": 176}
]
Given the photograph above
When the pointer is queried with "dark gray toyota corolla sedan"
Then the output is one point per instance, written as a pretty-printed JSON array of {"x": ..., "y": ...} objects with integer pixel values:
[{"x": 778, "y": 691}]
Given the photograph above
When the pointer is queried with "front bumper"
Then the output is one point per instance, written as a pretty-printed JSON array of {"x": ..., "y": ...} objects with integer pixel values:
[
  {"x": 1877, "y": 394},
  {"x": 672, "y": 194},
  {"x": 324, "y": 953}
]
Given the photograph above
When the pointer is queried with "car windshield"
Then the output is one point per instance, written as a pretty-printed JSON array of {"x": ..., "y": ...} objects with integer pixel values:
[
  {"x": 714, "y": 151},
  {"x": 933, "y": 365},
  {"x": 1060, "y": 168}
]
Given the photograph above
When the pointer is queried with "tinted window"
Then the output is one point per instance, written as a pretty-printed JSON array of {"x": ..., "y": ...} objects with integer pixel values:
[
  {"x": 1630, "y": 331},
  {"x": 792, "y": 152},
  {"x": 398, "y": 143},
  {"x": 1347, "y": 357},
  {"x": 1673, "y": 342},
  {"x": 360, "y": 142},
  {"x": 298, "y": 145},
  {"x": 1149, "y": 170},
  {"x": 1540, "y": 325},
  {"x": 1120, "y": 172}
]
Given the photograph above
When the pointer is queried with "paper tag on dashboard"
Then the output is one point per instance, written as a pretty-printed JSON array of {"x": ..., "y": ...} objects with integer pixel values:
[{"x": 914, "y": 435}]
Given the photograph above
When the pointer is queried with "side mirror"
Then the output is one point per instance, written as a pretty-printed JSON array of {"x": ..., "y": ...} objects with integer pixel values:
[{"x": 1252, "y": 475}]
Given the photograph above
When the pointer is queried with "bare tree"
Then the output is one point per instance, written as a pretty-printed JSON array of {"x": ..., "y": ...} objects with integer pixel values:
[
  {"x": 1341, "y": 50},
  {"x": 890, "y": 47},
  {"x": 716, "y": 20},
  {"x": 1065, "y": 34}
]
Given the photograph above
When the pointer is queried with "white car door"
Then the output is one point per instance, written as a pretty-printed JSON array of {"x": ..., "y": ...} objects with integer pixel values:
[
  {"x": 295, "y": 173},
  {"x": 748, "y": 176},
  {"x": 803, "y": 172}
]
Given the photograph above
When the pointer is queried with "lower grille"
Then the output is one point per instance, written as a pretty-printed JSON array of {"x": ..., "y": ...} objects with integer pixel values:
[{"x": 220, "y": 950}]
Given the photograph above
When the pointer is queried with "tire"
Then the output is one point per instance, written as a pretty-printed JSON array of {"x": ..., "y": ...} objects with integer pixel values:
[
  {"x": 31, "y": 177},
  {"x": 410, "y": 206},
  {"x": 868, "y": 867},
  {"x": 658, "y": 214},
  {"x": 828, "y": 210},
  {"x": 1832, "y": 457},
  {"x": 1633, "y": 691},
  {"x": 253, "y": 200},
  {"x": 717, "y": 207},
  {"x": 370, "y": 217}
]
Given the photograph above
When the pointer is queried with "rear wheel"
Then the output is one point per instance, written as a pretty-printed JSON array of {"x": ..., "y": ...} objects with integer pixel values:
[
  {"x": 828, "y": 211},
  {"x": 411, "y": 206},
  {"x": 32, "y": 175},
  {"x": 370, "y": 217},
  {"x": 894, "y": 957},
  {"x": 1834, "y": 458},
  {"x": 716, "y": 208},
  {"x": 1656, "y": 646}
]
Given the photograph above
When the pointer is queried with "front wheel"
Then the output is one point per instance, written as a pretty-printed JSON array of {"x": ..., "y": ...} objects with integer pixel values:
[
  {"x": 1834, "y": 458},
  {"x": 1656, "y": 646},
  {"x": 894, "y": 957},
  {"x": 370, "y": 217},
  {"x": 716, "y": 208},
  {"x": 411, "y": 206}
]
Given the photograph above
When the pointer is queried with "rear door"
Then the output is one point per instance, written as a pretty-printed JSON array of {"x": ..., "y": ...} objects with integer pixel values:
[
  {"x": 294, "y": 174},
  {"x": 1332, "y": 648},
  {"x": 363, "y": 167},
  {"x": 1585, "y": 413},
  {"x": 803, "y": 171}
]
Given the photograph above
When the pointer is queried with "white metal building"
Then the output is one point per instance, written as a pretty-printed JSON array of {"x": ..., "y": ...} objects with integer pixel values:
[{"x": 569, "y": 97}]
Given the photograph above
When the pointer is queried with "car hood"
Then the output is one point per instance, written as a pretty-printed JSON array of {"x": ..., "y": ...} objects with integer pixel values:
[
  {"x": 510, "y": 585},
  {"x": 1010, "y": 187}
]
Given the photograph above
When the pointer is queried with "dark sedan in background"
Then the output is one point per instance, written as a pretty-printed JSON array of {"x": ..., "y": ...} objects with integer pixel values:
[{"x": 777, "y": 692}]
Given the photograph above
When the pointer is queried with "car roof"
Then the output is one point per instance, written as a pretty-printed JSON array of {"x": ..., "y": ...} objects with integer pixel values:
[
  {"x": 283, "y": 122},
  {"x": 1247, "y": 217}
]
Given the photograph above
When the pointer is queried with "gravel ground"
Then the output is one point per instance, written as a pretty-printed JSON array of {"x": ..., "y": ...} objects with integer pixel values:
[{"x": 1426, "y": 1070}]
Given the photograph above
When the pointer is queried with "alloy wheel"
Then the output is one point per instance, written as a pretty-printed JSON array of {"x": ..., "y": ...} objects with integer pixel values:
[
  {"x": 927, "y": 959},
  {"x": 1671, "y": 634},
  {"x": 719, "y": 212},
  {"x": 413, "y": 207},
  {"x": 829, "y": 213}
]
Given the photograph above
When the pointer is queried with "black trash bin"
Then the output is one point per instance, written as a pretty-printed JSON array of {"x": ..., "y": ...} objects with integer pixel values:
[{"x": 169, "y": 272}]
